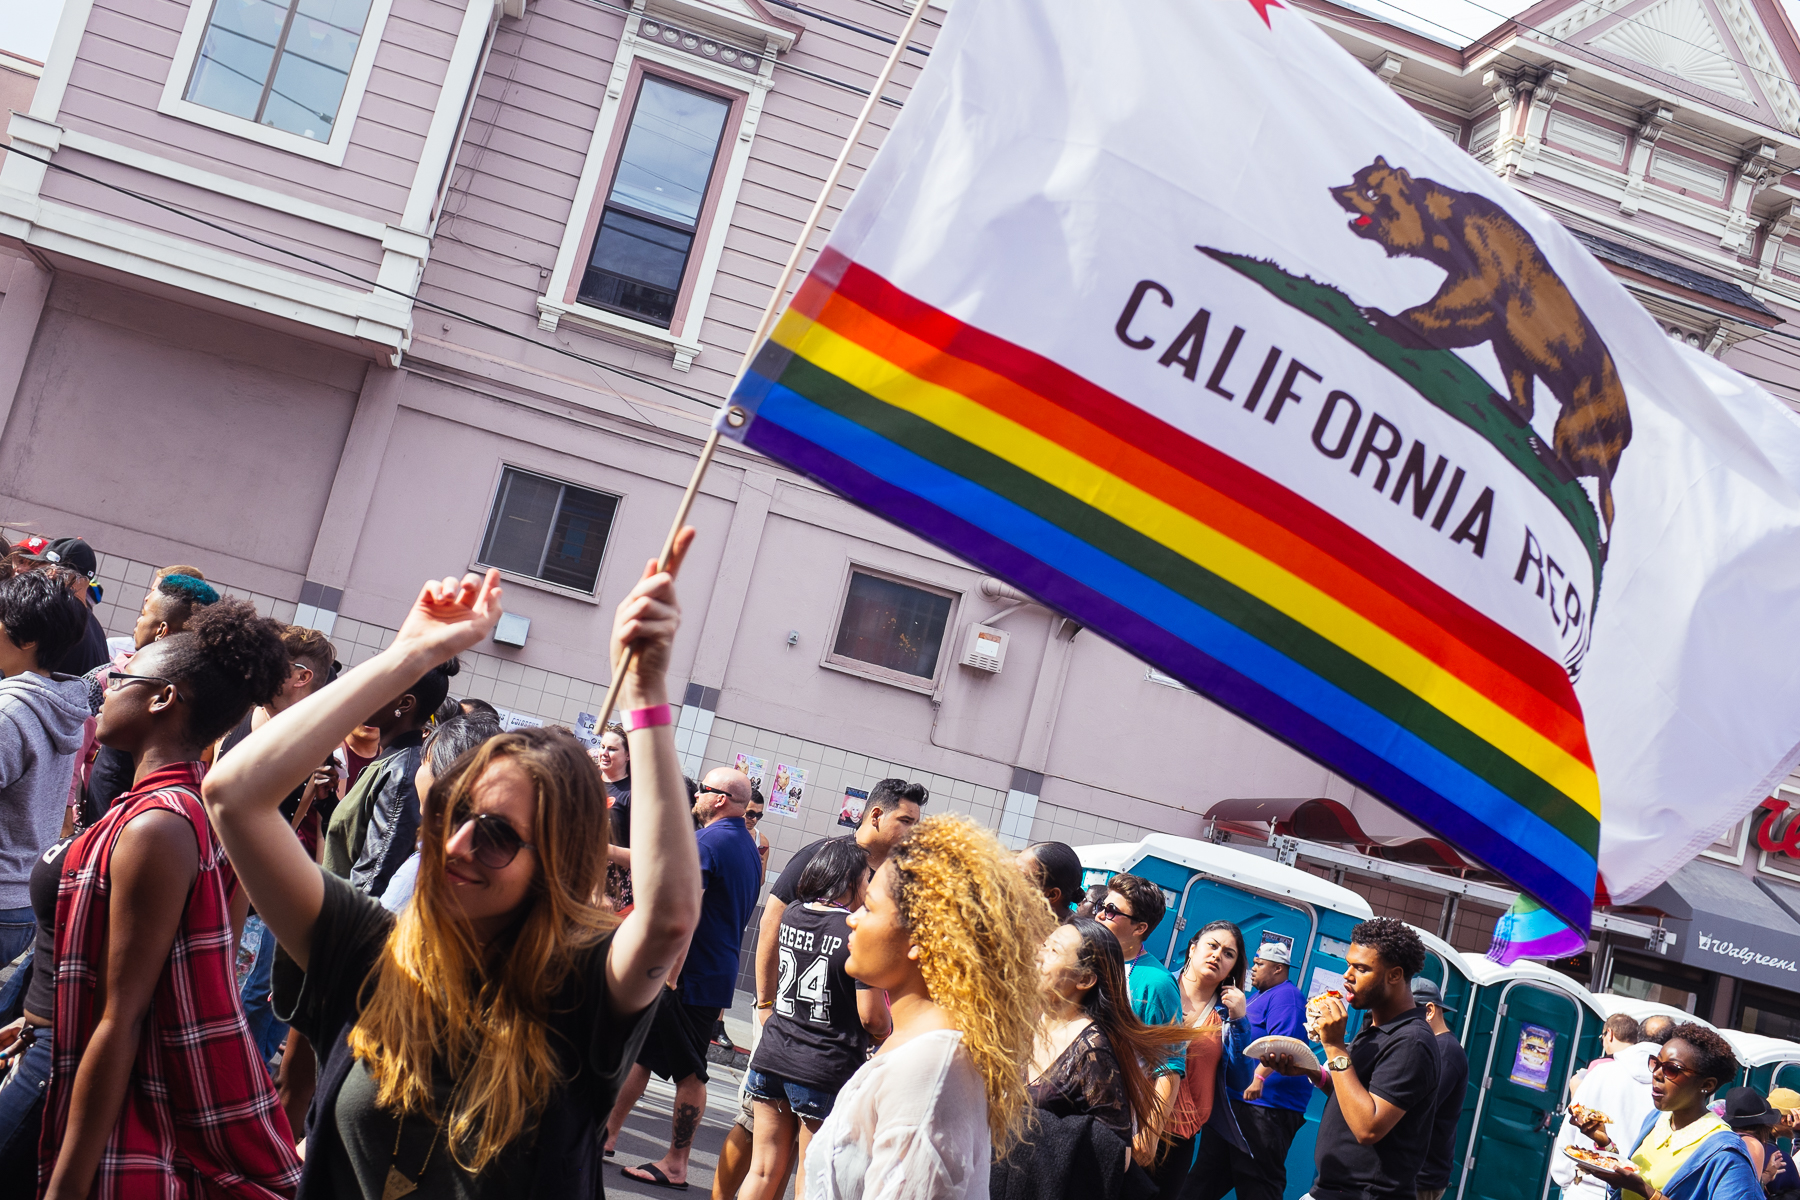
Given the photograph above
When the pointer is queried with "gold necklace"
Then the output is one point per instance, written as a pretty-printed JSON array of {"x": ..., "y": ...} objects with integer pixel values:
[{"x": 398, "y": 1184}]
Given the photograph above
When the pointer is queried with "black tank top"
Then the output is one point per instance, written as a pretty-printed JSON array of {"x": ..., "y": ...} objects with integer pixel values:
[
  {"x": 815, "y": 1035},
  {"x": 40, "y": 993}
]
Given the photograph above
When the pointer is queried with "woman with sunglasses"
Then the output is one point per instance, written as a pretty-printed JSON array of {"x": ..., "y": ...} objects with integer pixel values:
[
  {"x": 1684, "y": 1151},
  {"x": 471, "y": 1044},
  {"x": 156, "y": 1087}
]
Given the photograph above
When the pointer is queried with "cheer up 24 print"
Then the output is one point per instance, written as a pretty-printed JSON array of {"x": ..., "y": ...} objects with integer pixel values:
[{"x": 1177, "y": 318}]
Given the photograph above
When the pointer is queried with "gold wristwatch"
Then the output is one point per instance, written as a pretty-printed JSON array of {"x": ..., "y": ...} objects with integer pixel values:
[{"x": 1340, "y": 1062}]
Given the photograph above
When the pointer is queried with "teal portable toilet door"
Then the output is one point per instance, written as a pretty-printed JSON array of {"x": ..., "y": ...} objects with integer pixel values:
[{"x": 1528, "y": 1063}]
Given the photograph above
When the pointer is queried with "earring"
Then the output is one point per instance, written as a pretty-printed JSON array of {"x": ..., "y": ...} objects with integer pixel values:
[{"x": 397, "y": 712}]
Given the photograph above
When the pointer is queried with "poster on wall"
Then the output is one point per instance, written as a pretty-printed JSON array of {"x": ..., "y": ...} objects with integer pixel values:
[
  {"x": 790, "y": 782},
  {"x": 510, "y": 721},
  {"x": 751, "y": 766},
  {"x": 586, "y": 729},
  {"x": 850, "y": 815},
  {"x": 1531, "y": 1062},
  {"x": 1325, "y": 979}
]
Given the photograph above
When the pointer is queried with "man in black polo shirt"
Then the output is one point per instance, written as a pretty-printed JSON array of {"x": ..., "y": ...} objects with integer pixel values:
[{"x": 1384, "y": 1085}]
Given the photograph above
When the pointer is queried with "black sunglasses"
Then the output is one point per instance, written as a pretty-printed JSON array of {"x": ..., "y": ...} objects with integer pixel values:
[
  {"x": 704, "y": 788},
  {"x": 494, "y": 843},
  {"x": 1109, "y": 909}
]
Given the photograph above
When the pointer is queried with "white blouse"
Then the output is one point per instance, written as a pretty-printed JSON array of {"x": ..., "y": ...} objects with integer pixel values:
[{"x": 910, "y": 1125}]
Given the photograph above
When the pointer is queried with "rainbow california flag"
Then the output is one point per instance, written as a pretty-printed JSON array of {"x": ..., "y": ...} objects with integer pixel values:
[{"x": 1177, "y": 318}]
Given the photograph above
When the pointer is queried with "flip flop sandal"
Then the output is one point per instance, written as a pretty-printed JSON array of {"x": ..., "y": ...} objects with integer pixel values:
[{"x": 657, "y": 1178}]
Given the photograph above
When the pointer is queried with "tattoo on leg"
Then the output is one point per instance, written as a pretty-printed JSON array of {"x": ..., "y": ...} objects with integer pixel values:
[{"x": 687, "y": 1120}]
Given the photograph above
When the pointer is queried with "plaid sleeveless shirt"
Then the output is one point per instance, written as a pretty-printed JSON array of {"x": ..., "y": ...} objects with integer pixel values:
[{"x": 200, "y": 1117}]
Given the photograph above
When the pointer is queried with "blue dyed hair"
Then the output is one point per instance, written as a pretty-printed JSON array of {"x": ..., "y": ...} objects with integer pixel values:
[{"x": 186, "y": 587}]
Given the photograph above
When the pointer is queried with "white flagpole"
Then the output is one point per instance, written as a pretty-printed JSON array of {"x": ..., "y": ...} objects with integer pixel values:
[{"x": 735, "y": 415}]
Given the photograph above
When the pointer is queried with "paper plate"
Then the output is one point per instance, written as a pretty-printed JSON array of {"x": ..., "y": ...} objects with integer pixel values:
[
  {"x": 1277, "y": 1044},
  {"x": 1608, "y": 1162}
]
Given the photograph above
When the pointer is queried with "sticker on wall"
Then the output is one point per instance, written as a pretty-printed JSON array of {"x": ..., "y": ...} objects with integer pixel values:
[
  {"x": 751, "y": 766},
  {"x": 1531, "y": 1062},
  {"x": 789, "y": 783},
  {"x": 854, "y": 801},
  {"x": 510, "y": 721}
]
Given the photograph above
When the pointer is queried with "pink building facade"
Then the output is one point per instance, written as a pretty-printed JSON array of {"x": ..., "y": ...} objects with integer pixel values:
[{"x": 328, "y": 305}]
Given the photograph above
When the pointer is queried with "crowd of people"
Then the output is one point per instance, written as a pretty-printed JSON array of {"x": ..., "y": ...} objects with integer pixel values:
[{"x": 272, "y": 928}]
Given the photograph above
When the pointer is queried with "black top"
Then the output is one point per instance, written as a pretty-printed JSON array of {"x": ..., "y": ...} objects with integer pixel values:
[
  {"x": 558, "y": 1161},
  {"x": 789, "y": 879},
  {"x": 1084, "y": 1081},
  {"x": 89, "y": 652},
  {"x": 1453, "y": 1082},
  {"x": 815, "y": 1035},
  {"x": 1397, "y": 1061},
  {"x": 110, "y": 777},
  {"x": 618, "y": 828},
  {"x": 40, "y": 991}
]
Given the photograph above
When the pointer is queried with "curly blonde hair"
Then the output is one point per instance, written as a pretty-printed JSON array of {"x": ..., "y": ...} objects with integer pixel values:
[{"x": 978, "y": 923}]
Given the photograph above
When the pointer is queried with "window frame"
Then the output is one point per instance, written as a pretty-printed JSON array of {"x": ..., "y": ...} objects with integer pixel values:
[
  {"x": 478, "y": 566},
  {"x": 609, "y": 172},
  {"x": 638, "y": 56},
  {"x": 832, "y": 661},
  {"x": 174, "y": 102}
]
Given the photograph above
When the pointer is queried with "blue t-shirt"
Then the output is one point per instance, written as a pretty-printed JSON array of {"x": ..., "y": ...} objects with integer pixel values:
[
  {"x": 1156, "y": 1000},
  {"x": 1280, "y": 1010},
  {"x": 730, "y": 873}
]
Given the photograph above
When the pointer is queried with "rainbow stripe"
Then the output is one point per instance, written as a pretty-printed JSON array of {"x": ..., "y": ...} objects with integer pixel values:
[
  {"x": 1528, "y": 930},
  {"x": 1190, "y": 560}
]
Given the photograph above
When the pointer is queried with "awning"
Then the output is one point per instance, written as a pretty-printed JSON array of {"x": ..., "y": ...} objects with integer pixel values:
[{"x": 1733, "y": 924}]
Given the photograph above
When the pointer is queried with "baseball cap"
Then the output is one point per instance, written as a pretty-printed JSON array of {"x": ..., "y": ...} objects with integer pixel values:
[
  {"x": 1426, "y": 991},
  {"x": 72, "y": 553},
  {"x": 1275, "y": 952}
]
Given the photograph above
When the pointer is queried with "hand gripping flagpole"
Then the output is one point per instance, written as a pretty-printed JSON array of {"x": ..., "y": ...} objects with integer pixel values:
[{"x": 734, "y": 415}]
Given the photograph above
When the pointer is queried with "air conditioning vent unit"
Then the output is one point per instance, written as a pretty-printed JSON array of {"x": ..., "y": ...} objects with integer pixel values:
[{"x": 986, "y": 648}]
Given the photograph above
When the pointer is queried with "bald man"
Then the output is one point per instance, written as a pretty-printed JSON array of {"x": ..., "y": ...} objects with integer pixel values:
[{"x": 675, "y": 1047}]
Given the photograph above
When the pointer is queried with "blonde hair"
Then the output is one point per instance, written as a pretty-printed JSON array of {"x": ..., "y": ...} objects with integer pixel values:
[
  {"x": 978, "y": 923},
  {"x": 434, "y": 993}
]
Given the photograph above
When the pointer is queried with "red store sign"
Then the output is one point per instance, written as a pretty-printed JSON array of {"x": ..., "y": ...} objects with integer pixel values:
[{"x": 1789, "y": 841}]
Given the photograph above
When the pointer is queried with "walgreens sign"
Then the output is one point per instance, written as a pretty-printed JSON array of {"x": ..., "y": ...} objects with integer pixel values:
[{"x": 1772, "y": 836}]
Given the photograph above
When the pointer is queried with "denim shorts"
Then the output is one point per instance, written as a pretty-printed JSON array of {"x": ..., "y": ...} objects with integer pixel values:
[{"x": 810, "y": 1102}]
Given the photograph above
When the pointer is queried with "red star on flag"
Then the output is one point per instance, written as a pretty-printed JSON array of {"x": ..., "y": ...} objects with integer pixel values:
[{"x": 1262, "y": 8}]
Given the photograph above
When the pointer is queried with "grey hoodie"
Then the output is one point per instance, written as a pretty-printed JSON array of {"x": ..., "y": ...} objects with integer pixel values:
[{"x": 41, "y": 723}]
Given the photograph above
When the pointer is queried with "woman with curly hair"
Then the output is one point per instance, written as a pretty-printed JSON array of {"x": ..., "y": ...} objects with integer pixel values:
[
  {"x": 1684, "y": 1151},
  {"x": 156, "y": 1087},
  {"x": 472, "y": 1044},
  {"x": 950, "y": 929}
]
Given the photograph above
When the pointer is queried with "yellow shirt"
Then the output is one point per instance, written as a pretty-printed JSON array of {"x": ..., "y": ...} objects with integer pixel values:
[{"x": 1664, "y": 1148}]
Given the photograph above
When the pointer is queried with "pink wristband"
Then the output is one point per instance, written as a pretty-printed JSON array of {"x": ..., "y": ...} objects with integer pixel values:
[{"x": 648, "y": 718}]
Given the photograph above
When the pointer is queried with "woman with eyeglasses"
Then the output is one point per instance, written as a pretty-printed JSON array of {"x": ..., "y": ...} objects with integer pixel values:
[
  {"x": 1683, "y": 1151},
  {"x": 156, "y": 1087},
  {"x": 471, "y": 1044}
]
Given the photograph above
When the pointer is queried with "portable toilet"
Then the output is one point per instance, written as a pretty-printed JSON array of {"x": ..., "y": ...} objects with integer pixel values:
[
  {"x": 1526, "y": 1030},
  {"x": 1203, "y": 882},
  {"x": 1768, "y": 1062},
  {"x": 1444, "y": 966}
]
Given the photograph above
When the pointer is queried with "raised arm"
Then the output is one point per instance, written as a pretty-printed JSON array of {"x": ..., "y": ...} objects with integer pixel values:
[
  {"x": 244, "y": 792},
  {"x": 665, "y": 861}
]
